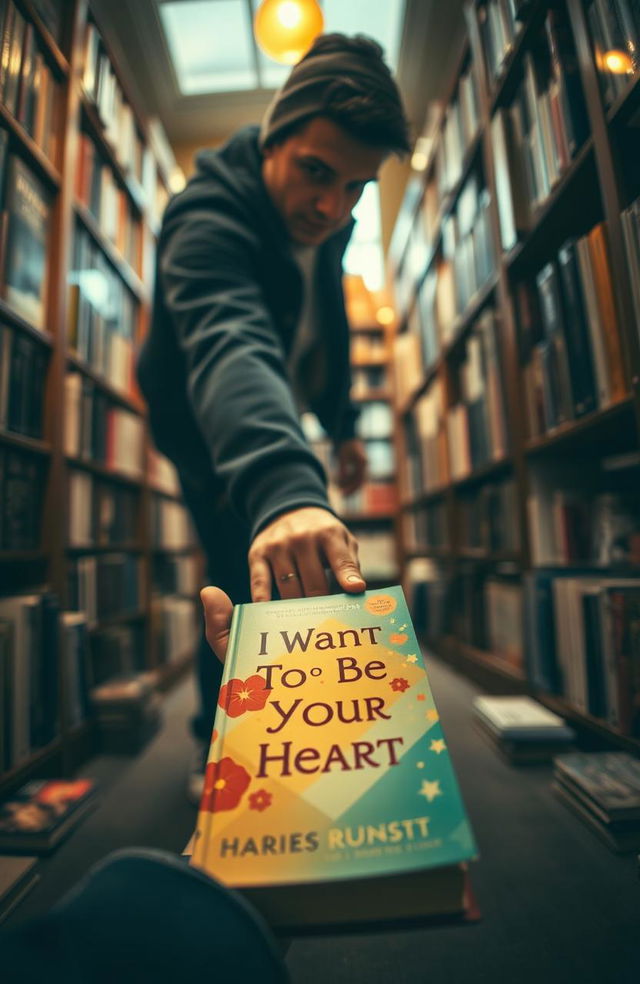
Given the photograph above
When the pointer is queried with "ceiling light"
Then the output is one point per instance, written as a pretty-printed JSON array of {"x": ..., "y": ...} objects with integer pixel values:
[
  {"x": 618, "y": 62},
  {"x": 285, "y": 29}
]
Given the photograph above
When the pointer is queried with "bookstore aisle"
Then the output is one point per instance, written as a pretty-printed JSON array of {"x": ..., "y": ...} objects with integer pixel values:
[{"x": 556, "y": 904}]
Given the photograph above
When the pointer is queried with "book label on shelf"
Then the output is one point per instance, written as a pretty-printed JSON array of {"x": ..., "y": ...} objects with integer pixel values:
[{"x": 328, "y": 774}]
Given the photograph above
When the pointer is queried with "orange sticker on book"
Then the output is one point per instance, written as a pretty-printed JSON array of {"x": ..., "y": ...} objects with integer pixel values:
[{"x": 381, "y": 604}]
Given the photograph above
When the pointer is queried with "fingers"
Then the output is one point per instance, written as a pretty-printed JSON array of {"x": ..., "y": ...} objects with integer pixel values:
[
  {"x": 343, "y": 560},
  {"x": 311, "y": 571},
  {"x": 218, "y": 609},
  {"x": 294, "y": 550},
  {"x": 259, "y": 576}
]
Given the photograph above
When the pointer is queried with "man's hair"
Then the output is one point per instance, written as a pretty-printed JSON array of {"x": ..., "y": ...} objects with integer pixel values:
[{"x": 346, "y": 80}]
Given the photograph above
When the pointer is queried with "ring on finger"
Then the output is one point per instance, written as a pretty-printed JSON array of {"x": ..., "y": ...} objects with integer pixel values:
[{"x": 287, "y": 577}]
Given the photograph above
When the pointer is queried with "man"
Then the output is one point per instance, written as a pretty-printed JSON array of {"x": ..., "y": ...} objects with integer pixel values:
[{"x": 249, "y": 329}]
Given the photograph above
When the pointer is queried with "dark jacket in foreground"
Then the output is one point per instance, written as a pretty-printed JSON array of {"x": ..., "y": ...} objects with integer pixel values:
[{"x": 213, "y": 367}]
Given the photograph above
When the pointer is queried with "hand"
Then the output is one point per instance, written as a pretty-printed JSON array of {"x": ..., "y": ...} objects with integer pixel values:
[
  {"x": 302, "y": 543},
  {"x": 218, "y": 609},
  {"x": 352, "y": 465}
]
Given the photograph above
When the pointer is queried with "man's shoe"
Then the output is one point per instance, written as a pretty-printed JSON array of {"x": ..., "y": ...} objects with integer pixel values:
[{"x": 195, "y": 781}]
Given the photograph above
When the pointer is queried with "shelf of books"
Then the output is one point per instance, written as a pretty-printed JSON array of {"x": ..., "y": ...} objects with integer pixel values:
[
  {"x": 91, "y": 587},
  {"x": 370, "y": 512},
  {"x": 516, "y": 366}
]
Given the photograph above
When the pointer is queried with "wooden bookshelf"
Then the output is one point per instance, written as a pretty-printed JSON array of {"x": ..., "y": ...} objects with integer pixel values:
[
  {"x": 45, "y": 568},
  {"x": 522, "y": 490}
]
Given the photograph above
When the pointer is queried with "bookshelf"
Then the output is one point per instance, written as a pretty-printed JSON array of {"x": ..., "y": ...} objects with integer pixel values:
[
  {"x": 91, "y": 520},
  {"x": 515, "y": 263}
]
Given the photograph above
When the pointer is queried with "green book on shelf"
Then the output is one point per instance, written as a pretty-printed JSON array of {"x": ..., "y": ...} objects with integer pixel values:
[{"x": 330, "y": 797}]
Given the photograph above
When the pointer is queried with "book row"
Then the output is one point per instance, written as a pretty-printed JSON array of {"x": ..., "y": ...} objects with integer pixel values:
[
  {"x": 459, "y": 128},
  {"x": 365, "y": 379},
  {"x": 631, "y": 229},
  {"x": 500, "y": 23},
  {"x": 22, "y": 478},
  {"x": 24, "y": 241},
  {"x": 373, "y": 499},
  {"x": 100, "y": 513},
  {"x": 101, "y": 325},
  {"x": 537, "y": 136},
  {"x": 582, "y": 519},
  {"x": 177, "y": 627},
  {"x": 569, "y": 335},
  {"x": 29, "y": 697},
  {"x": 105, "y": 586},
  {"x": 171, "y": 527},
  {"x": 97, "y": 188},
  {"x": 28, "y": 88},
  {"x": 38, "y": 640},
  {"x": 101, "y": 84},
  {"x": 96, "y": 431},
  {"x": 452, "y": 268},
  {"x": 568, "y": 633},
  {"x": 615, "y": 32},
  {"x": 583, "y": 637},
  {"x": 176, "y": 575},
  {"x": 23, "y": 369},
  {"x": 375, "y": 421}
]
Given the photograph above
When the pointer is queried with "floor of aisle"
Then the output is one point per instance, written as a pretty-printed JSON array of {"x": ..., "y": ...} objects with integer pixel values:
[{"x": 556, "y": 904}]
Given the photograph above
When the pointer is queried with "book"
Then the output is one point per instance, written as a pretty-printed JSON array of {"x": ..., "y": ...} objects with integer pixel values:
[
  {"x": 25, "y": 273},
  {"x": 609, "y": 780},
  {"x": 41, "y": 813},
  {"x": 18, "y": 875},
  {"x": 619, "y": 835},
  {"x": 521, "y": 719},
  {"x": 330, "y": 798}
]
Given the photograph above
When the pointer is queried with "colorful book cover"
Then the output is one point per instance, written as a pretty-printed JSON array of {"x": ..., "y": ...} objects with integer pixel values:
[
  {"x": 328, "y": 762},
  {"x": 36, "y": 817}
]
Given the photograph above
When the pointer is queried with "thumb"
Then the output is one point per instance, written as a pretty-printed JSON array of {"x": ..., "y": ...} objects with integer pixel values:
[{"x": 218, "y": 609}]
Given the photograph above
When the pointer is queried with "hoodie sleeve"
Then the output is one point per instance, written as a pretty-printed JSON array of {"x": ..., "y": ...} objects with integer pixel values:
[{"x": 236, "y": 372}]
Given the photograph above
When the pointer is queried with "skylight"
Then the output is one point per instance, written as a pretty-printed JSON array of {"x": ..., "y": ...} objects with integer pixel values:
[{"x": 213, "y": 50}]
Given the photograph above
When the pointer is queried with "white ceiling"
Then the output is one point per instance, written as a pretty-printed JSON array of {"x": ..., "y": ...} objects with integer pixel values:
[{"x": 430, "y": 37}]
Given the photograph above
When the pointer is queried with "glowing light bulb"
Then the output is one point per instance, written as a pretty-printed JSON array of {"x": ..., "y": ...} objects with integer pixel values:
[
  {"x": 289, "y": 14},
  {"x": 617, "y": 62},
  {"x": 385, "y": 315},
  {"x": 286, "y": 29}
]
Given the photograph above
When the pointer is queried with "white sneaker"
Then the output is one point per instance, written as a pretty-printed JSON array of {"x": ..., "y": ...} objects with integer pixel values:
[{"x": 195, "y": 780}]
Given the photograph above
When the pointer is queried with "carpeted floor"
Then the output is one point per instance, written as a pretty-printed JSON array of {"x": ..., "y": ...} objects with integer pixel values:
[{"x": 557, "y": 905}]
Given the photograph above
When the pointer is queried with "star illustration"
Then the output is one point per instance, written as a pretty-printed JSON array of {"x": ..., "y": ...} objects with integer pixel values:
[
  {"x": 412, "y": 658},
  {"x": 393, "y": 621},
  {"x": 437, "y": 745},
  {"x": 419, "y": 765},
  {"x": 432, "y": 715},
  {"x": 430, "y": 789}
]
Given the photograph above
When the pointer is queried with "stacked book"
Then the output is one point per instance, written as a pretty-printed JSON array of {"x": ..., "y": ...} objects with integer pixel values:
[
  {"x": 603, "y": 789},
  {"x": 128, "y": 713},
  {"x": 520, "y": 729}
]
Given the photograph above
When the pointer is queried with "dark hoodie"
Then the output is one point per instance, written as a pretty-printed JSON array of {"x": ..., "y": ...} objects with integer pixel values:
[{"x": 213, "y": 367}]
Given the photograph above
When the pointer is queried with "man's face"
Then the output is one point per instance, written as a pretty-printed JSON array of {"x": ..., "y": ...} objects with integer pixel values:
[{"x": 316, "y": 176}]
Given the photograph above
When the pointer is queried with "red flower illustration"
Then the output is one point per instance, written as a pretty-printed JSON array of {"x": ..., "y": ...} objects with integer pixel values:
[
  {"x": 399, "y": 684},
  {"x": 398, "y": 638},
  {"x": 260, "y": 800},
  {"x": 224, "y": 784},
  {"x": 238, "y": 696}
]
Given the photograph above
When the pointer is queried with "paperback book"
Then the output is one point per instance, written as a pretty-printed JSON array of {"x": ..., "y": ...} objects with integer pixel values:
[
  {"x": 330, "y": 798},
  {"x": 520, "y": 729},
  {"x": 42, "y": 812},
  {"x": 603, "y": 790}
]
